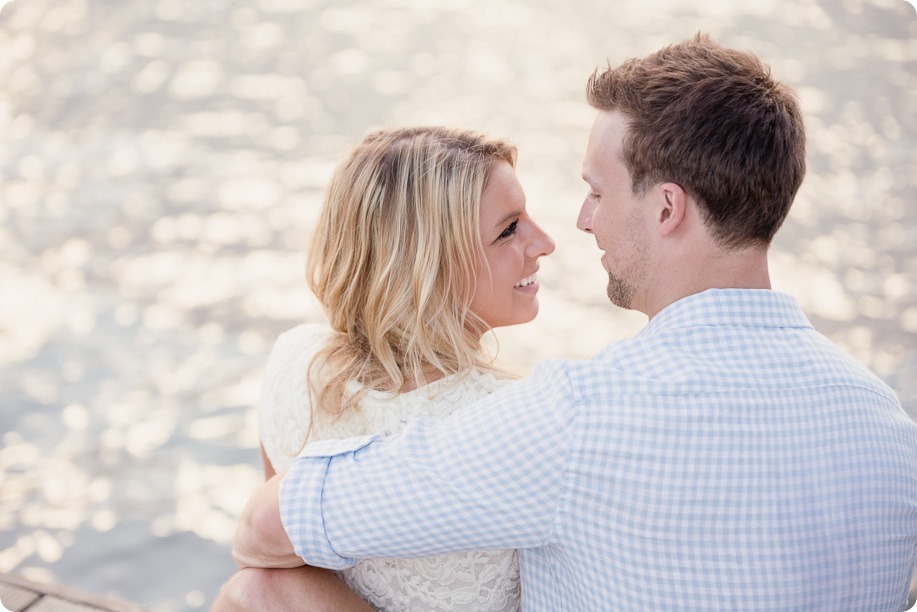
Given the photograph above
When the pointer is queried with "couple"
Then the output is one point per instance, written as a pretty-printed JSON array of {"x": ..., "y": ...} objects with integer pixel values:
[{"x": 727, "y": 457}]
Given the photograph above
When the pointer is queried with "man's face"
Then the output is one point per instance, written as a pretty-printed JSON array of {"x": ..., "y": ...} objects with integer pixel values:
[{"x": 613, "y": 214}]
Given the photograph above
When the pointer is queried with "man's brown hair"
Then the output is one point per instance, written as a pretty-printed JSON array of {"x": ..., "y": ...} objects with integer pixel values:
[{"x": 712, "y": 120}]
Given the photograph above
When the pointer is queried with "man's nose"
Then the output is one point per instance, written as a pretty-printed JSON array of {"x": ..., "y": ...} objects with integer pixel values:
[{"x": 584, "y": 221}]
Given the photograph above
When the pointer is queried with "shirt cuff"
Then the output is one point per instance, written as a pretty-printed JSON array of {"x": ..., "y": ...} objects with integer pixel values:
[{"x": 301, "y": 509}]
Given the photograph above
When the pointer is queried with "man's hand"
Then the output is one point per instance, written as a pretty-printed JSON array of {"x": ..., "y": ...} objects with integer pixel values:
[{"x": 260, "y": 540}]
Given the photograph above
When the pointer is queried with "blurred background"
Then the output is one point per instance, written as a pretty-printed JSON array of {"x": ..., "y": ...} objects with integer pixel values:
[{"x": 161, "y": 165}]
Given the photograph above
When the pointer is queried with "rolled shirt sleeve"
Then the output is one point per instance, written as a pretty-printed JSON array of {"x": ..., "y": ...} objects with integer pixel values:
[
  {"x": 489, "y": 476},
  {"x": 301, "y": 496}
]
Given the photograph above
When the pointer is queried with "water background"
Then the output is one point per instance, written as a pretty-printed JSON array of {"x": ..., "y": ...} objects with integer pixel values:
[{"x": 162, "y": 162}]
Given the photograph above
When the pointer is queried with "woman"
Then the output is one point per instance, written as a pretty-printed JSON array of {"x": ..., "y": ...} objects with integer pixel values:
[{"x": 423, "y": 245}]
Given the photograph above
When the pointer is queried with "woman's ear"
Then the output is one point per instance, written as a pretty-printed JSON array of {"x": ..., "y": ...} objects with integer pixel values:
[{"x": 671, "y": 207}]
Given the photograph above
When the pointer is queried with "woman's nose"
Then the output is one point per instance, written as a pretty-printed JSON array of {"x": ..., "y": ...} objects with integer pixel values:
[{"x": 541, "y": 245}]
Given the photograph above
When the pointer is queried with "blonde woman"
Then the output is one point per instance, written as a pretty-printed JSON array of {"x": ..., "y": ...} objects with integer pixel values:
[{"x": 423, "y": 245}]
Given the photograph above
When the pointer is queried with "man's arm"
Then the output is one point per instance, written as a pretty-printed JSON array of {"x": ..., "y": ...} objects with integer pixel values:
[
  {"x": 260, "y": 540},
  {"x": 489, "y": 476}
]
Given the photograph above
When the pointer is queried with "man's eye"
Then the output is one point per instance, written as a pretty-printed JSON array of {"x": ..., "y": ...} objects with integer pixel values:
[
  {"x": 593, "y": 195},
  {"x": 509, "y": 231}
]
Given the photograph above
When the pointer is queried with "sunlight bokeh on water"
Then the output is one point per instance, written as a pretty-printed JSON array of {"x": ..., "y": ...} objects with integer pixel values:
[{"x": 161, "y": 165}]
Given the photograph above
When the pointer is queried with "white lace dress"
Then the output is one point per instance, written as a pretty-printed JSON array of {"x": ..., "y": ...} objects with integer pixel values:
[{"x": 487, "y": 580}]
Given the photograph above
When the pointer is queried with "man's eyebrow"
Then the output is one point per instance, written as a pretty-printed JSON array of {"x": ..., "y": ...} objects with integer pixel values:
[{"x": 587, "y": 178}]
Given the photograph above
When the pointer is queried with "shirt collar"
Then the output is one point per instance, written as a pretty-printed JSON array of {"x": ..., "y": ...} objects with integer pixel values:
[{"x": 730, "y": 307}]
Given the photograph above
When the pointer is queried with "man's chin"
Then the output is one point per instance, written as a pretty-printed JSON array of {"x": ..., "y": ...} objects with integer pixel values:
[{"x": 620, "y": 294}]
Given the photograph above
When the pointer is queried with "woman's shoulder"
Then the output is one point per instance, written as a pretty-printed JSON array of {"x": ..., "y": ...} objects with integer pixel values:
[
  {"x": 291, "y": 355},
  {"x": 388, "y": 414},
  {"x": 284, "y": 410},
  {"x": 306, "y": 337},
  {"x": 296, "y": 347}
]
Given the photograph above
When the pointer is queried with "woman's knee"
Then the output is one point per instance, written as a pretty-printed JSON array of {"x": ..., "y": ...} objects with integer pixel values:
[
  {"x": 301, "y": 588},
  {"x": 247, "y": 589}
]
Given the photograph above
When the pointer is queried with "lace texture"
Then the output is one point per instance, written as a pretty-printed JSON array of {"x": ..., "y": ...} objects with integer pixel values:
[{"x": 486, "y": 580}]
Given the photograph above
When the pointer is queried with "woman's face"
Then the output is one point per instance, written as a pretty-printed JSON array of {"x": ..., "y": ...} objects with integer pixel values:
[{"x": 505, "y": 288}]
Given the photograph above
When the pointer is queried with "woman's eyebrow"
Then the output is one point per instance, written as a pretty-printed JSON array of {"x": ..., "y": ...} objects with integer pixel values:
[{"x": 507, "y": 217}]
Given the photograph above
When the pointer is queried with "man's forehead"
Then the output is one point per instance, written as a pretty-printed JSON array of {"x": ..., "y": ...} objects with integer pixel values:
[{"x": 609, "y": 125}]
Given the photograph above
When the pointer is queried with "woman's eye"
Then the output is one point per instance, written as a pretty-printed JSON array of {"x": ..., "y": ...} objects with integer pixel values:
[
  {"x": 509, "y": 231},
  {"x": 593, "y": 195}
]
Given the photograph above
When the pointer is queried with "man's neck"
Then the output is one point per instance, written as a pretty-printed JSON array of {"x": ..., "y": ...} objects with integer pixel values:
[{"x": 701, "y": 269}]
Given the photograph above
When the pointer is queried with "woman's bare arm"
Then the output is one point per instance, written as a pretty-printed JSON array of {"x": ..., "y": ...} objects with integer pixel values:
[
  {"x": 260, "y": 539},
  {"x": 269, "y": 470}
]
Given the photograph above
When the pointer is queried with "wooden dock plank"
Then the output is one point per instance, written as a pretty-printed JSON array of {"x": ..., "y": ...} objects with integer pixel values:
[
  {"x": 53, "y": 604},
  {"x": 57, "y": 598},
  {"x": 15, "y": 598}
]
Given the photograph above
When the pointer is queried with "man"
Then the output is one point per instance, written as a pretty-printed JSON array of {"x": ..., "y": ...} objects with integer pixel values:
[{"x": 727, "y": 457}]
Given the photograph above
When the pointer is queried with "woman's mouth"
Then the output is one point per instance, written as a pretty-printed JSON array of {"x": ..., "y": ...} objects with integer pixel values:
[{"x": 529, "y": 282}]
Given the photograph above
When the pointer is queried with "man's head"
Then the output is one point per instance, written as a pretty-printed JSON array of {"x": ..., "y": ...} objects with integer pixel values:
[{"x": 714, "y": 122}]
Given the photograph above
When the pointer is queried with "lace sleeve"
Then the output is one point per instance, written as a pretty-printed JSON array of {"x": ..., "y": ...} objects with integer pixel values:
[{"x": 283, "y": 411}]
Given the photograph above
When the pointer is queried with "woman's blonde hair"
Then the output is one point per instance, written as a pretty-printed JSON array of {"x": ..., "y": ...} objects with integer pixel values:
[{"x": 393, "y": 263}]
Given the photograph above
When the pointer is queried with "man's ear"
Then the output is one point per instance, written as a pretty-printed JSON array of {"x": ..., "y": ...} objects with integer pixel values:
[{"x": 672, "y": 204}]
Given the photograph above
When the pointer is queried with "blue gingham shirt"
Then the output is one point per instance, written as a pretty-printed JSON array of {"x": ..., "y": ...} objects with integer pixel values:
[{"x": 728, "y": 457}]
